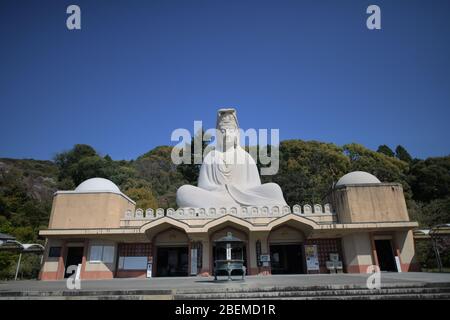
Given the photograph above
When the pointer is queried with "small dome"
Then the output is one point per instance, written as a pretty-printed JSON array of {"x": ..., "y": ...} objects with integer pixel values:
[
  {"x": 357, "y": 177},
  {"x": 97, "y": 184}
]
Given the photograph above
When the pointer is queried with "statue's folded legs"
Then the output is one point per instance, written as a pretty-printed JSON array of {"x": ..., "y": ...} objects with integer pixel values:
[
  {"x": 265, "y": 194},
  {"x": 195, "y": 197}
]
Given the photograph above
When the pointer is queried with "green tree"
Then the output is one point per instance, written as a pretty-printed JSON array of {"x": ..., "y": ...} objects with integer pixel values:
[
  {"x": 308, "y": 170},
  {"x": 191, "y": 171},
  {"x": 66, "y": 160},
  {"x": 402, "y": 154},
  {"x": 430, "y": 178},
  {"x": 384, "y": 149},
  {"x": 143, "y": 196},
  {"x": 156, "y": 168},
  {"x": 83, "y": 162}
]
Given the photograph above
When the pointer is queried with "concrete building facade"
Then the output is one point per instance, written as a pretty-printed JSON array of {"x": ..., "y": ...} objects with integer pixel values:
[{"x": 96, "y": 227}]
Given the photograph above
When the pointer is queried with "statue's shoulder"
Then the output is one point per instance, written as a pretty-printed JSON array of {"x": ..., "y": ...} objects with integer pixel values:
[
  {"x": 210, "y": 157},
  {"x": 248, "y": 157}
]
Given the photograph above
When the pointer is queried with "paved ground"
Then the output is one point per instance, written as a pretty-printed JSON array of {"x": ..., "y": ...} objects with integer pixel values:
[{"x": 387, "y": 280}]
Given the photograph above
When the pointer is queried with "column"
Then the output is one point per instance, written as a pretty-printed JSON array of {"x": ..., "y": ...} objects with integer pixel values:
[
  {"x": 404, "y": 248},
  {"x": 357, "y": 251},
  {"x": 252, "y": 264}
]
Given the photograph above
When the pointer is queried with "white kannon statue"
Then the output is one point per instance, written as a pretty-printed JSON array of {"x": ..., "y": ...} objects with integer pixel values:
[{"x": 229, "y": 176}]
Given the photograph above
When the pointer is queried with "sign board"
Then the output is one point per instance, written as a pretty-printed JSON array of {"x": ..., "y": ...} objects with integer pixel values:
[
  {"x": 312, "y": 259},
  {"x": 334, "y": 257},
  {"x": 397, "y": 262},
  {"x": 264, "y": 258},
  {"x": 149, "y": 269},
  {"x": 194, "y": 261},
  {"x": 228, "y": 251}
]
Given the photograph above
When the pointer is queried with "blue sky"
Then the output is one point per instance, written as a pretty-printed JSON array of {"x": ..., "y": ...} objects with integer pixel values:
[{"x": 139, "y": 69}]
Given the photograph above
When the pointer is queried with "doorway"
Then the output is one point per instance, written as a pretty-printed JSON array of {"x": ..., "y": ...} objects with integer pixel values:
[
  {"x": 385, "y": 255},
  {"x": 74, "y": 257},
  {"x": 172, "y": 261},
  {"x": 287, "y": 258}
]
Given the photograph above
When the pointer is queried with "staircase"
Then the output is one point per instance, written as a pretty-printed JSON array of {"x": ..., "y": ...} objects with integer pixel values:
[{"x": 329, "y": 292}]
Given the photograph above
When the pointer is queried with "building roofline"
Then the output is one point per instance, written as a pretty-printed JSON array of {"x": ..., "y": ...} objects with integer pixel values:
[
  {"x": 228, "y": 218},
  {"x": 381, "y": 184},
  {"x": 96, "y": 191}
]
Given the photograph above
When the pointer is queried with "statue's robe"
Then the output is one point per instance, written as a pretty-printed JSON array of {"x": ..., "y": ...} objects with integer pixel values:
[{"x": 229, "y": 179}]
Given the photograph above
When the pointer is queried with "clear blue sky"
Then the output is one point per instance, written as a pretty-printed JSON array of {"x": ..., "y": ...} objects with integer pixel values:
[{"x": 139, "y": 69}]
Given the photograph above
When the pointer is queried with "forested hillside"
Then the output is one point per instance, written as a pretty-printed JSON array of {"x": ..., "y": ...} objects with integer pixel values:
[{"x": 307, "y": 171}]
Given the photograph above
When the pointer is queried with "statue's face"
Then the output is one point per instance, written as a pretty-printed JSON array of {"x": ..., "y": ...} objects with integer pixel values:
[{"x": 228, "y": 131}]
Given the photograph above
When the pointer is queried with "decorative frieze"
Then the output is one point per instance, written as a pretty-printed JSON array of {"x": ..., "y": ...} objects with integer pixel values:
[{"x": 243, "y": 212}]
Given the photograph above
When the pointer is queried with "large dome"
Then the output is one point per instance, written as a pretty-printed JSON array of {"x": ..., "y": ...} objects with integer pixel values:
[
  {"x": 97, "y": 184},
  {"x": 357, "y": 177}
]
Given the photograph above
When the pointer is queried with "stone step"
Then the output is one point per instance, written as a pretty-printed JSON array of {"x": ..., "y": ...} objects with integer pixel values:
[
  {"x": 311, "y": 293},
  {"x": 403, "y": 291},
  {"x": 84, "y": 293},
  {"x": 422, "y": 296},
  {"x": 309, "y": 288}
]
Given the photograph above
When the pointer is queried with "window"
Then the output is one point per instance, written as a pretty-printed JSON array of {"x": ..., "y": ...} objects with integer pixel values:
[
  {"x": 101, "y": 254},
  {"x": 133, "y": 263},
  {"x": 54, "y": 252}
]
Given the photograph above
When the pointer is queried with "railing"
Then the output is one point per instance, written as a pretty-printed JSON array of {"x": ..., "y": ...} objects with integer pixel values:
[{"x": 244, "y": 212}]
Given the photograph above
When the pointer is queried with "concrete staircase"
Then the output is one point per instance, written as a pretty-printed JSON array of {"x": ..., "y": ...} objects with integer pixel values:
[
  {"x": 339, "y": 292},
  {"x": 428, "y": 291}
]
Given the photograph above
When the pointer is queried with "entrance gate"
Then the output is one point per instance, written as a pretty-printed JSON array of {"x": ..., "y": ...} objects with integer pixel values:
[
  {"x": 172, "y": 261},
  {"x": 287, "y": 258},
  {"x": 385, "y": 255}
]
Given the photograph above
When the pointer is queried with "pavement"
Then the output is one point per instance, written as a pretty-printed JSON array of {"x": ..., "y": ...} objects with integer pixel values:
[{"x": 207, "y": 283}]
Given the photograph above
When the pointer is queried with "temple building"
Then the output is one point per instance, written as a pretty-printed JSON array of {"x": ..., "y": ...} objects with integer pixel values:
[{"x": 96, "y": 227}]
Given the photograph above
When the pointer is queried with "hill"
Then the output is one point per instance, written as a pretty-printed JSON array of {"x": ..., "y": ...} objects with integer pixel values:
[{"x": 307, "y": 170}]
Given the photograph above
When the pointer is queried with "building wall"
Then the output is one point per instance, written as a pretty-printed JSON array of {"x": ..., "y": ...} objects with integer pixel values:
[
  {"x": 171, "y": 237},
  {"x": 404, "y": 242},
  {"x": 98, "y": 269},
  {"x": 370, "y": 203},
  {"x": 357, "y": 252},
  {"x": 286, "y": 234},
  {"x": 324, "y": 248},
  {"x": 49, "y": 268},
  {"x": 143, "y": 250},
  {"x": 88, "y": 210}
]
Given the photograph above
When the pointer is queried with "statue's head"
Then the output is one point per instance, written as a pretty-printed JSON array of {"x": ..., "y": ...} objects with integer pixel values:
[{"x": 228, "y": 128}]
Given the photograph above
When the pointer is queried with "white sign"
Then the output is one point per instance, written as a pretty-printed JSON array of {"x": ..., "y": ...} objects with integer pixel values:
[
  {"x": 149, "y": 269},
  {"x": 228, "y": 251},
  {"x": 312, "y": 260},
  {"x": 334, "y": 257},
  {"x": 194, "y": 261},
  {"x": 397, "y": 262}
]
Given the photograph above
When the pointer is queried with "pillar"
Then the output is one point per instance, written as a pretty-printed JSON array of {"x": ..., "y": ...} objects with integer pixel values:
[
  {"x": 252, "y": 264},
  {"x": 405, "y": 250},
  {"x": 357, "y": 251}
]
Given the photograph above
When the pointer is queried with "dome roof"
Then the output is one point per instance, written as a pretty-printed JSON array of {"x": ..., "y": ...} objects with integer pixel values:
[
  {"x": 357, "y": 177},
  {"x": 97, "y": 184}
]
